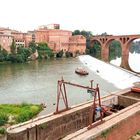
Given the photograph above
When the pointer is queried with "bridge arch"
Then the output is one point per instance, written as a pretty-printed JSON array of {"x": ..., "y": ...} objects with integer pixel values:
[
  {"x": 96, "y": 49},
  {"x": 130, "y": 42},
  {"x": 128, "y": 50},
  {"x": 104, "y": 43},
  {"x": 93, "y": 40},
  {"x": 106, "y": 48}
]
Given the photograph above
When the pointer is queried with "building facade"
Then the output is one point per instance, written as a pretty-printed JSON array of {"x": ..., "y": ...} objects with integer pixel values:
[
  {"x": 5, "y": 39},
  {"x": 57, "y": 39}
]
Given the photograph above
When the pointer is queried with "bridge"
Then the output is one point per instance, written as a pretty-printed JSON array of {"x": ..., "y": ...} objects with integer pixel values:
[{"x": 125, "y": 42}]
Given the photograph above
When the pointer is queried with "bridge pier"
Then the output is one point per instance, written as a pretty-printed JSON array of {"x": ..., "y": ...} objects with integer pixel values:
[
  {"x": 104, "y": 53},
  {"x": 125, "y": 58}
]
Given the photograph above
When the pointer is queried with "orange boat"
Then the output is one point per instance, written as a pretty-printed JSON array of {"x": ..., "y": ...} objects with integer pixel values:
[
  {"x": 81, "y": 71},
  {"x": 135, "y": 89}
]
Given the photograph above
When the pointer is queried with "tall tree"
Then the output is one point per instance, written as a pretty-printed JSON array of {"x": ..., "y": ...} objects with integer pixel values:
[{"x": 13, "y": 47}]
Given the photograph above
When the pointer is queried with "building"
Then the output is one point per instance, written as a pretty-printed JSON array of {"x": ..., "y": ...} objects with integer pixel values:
[
  {"x": 5, "y": 38},
  {"x": 57, "y": 39}
]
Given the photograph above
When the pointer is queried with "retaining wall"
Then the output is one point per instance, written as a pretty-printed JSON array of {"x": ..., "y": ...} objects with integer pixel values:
[{"x": 57, "y": 126}]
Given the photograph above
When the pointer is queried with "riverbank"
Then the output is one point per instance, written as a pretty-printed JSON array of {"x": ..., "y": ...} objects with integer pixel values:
[{"x": 11, "y": 114}]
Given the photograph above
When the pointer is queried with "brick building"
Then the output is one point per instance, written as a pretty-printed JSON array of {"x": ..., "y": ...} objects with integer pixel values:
[
  {"x": 5, "y": 38},
  {"x": 56, "y": 39}
]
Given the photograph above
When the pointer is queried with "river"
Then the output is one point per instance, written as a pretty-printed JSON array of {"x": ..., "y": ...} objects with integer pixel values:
[
  {"x": 133, "y": 61},
  {"x": 36, "y": 81}
]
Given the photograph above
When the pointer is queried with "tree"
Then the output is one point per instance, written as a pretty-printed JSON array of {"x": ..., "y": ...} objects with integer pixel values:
[
  {"x": 76, "y": 32},
  {"x": 103, "y": 34},
  {"x": 23, "y": 54},
  {"x": 3, "y": 54},
  {"x": 86, "y": 34},
  {"x": 114, "y": 50},
  {"x": 32, "y": 46},
  {"x": 44, "y": 51},
  {"x": 135, "y": 47},
  {"x": 13, "y": 47},
  {"x": 95, "y": 50}
]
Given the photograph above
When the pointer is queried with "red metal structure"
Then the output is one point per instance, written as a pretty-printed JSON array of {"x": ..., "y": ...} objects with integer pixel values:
[{"x": 61, "y": 92}]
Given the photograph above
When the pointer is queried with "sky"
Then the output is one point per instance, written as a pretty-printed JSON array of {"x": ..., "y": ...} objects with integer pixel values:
[{"x": 116, "y": 17}]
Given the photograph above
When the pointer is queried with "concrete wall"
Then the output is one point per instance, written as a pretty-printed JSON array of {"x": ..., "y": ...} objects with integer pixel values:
[
  {"x": 126, "y": 101},
  {"x": 122, "y": 130},
  {"x": 55, "y": 128}
]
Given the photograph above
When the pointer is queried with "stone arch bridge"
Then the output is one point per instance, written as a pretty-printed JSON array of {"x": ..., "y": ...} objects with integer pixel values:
[{"x": 125, "y": 41}]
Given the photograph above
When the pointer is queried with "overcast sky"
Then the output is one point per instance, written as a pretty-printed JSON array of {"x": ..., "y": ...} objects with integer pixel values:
[{"x": 111, "y": 16}]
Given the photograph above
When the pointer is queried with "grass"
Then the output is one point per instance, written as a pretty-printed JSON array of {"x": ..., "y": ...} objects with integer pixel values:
[
  {"x": 17, "y": 113},
  {"x": 2, "y": 130},
  {"x": 3, "y": 118}
]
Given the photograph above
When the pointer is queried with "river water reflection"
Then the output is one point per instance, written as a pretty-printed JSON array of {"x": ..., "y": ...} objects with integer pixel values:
[
  {"x": 36, "y": 82},
  {"x": 133, "y": 61}
]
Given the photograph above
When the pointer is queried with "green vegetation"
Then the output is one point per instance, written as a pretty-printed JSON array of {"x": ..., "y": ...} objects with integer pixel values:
[
  {"x": 16, "y": 113},
  {"x": 114, "y": 46},
  {"x": 114, "y": 50},
  {"x": 43, "y": 126},
  {"x": 3, "y": 118},
  {"x": 44, "y": 51},
  {"x": 12, "y": 114},
  {"x": 21, "y": 55},
  {"x": 3, "y": 54},
  {"x": 17, "y": 55},
  {"x": 95, "y": 50},
  {"x": 2, "y": 130},
  {"x": 86, "y": 34},
  {"x": 32, "y": 46},
  {"x": 135, "y": 47}
]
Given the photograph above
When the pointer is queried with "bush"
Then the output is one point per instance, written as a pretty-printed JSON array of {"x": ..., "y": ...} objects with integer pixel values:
[
  {"x": 18, "y": 113},
  {"x": 3, "y": 118},
  {"x": 24, "y": 116},
  {"x": 2, "y": 130},
  {"x": 34, "y": 109}
]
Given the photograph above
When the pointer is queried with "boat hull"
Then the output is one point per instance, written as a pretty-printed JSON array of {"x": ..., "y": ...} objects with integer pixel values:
[
  {"x": 81, "y": 73},
  {"x": 135, "y": 89}
]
